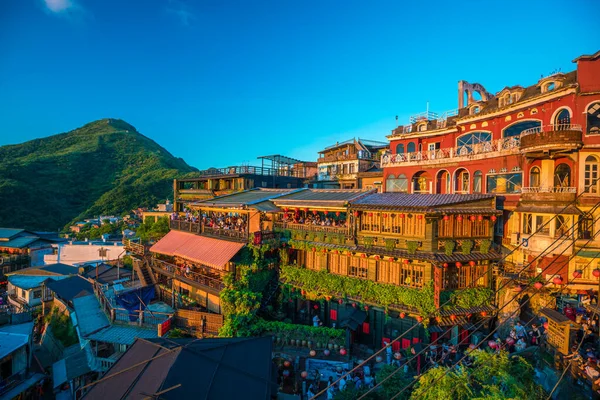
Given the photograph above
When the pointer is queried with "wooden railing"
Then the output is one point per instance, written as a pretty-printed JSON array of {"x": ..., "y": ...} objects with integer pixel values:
[
  {"x": 200, "y": 229},
  {"x": 192, "y": 276},
  {"x": 548, "y": 189},
  {"x": 199, "y": 322},
  {"x": 134, "y": 247},
  {"x": 310, "y": 228}
]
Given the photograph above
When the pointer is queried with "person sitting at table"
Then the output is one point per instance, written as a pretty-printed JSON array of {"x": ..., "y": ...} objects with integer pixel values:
[{"x": 591, "y": 370}]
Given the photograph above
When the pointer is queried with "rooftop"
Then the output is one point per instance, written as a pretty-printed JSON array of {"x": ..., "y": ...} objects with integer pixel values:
[
  {"x": 122, "y": 334},
  {"x": 13, "y": 337},
  {"x": 320, "y": 197},
  {"x": 50, "y": 269},
  {"x": 7, "y": 233},
  {"x": 106, "y": 273},
  {"x": 89, "y": 317},
  {"x": 70, "y": 288},
  {"x": 421, "y": 202},
  {"x": 221, "y": 368},
  {"x": 27, "y": 282},
  {"x": 246, "y": 198}
]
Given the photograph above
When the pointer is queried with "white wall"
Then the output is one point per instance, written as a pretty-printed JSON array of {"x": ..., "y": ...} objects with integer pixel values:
[{"x": 73, "y": 254}]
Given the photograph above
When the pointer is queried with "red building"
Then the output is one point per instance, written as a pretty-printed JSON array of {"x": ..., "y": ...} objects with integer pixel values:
[{"x": 536, "y": 147}]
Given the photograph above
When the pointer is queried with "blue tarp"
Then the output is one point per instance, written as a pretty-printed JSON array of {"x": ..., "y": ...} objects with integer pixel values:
[{"x": 136, "y": 300}]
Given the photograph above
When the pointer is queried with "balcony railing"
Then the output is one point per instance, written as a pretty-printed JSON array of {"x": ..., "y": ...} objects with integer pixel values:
[
  {"x": 249, "y": 169},
  {"x": 200, "y": 229},
  {"x": 482, "y": 150},
  {"x": 311, "y": 228},
  {"x": 7, "y": 259},
  {"x": 203, "y": 280},
  {"x": 542, "y": 189},
  {"x": 362, "y": 155},
  {"x": 551, "y": 128}
]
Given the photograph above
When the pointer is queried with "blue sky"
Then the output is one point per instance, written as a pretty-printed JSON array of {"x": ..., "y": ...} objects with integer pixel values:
[{"x": 221, "y": 82}]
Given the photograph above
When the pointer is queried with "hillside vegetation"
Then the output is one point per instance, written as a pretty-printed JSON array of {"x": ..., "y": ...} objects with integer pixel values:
[{"x": 104, "y": 167}]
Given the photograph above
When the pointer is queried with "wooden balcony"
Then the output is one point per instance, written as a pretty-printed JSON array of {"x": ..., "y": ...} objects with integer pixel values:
[
  {"x": 311, "y": 228},
  {"x": 317, "y": 233},
  {"x": 546, "y": 140},
  {"x": 204, "y": 282},
  {"x": 551, "y": 193}
]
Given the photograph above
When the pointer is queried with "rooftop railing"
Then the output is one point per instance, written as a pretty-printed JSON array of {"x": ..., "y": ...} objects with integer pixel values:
[
  {"x": 203, "y": 280},
  {"x": 551, "y": 128},
  {"x": 250, "y": 169},
  {"x": 459, "y": 153},
  {"x": 200, "y": 229},
  {"x": 551, "y": 189}
]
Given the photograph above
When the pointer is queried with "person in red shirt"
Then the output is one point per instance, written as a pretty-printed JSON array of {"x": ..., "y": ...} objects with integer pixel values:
[{"x": 569, "y": 312}]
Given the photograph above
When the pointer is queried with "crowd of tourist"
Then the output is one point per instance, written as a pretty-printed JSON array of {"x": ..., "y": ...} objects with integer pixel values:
[
  {"x": 315, "y": 219},
  {"x": 216, "y": 220}
]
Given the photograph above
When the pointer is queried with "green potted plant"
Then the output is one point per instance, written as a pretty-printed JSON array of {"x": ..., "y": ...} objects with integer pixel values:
[
  {"x": 467, "y": 246},
  {"x": 412, "y": 246},
  {"x": 485, "y": 245},
  {"x": 449, "y": 247}
]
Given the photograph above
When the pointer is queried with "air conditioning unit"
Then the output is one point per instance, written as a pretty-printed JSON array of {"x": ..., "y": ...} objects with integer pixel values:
[{"x": 514, "y": 238}]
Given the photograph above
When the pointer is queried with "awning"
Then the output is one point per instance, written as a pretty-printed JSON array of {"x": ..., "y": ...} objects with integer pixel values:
[
  {"x": 548, "y": 209},
  {"x": 211, "y": 252}
]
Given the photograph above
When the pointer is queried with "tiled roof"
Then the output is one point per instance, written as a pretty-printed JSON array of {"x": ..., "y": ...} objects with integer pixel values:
[
  {"x": 425, "y": 202},
  {"x": 320, "y": 197},
  {"x": 120, "y": 334},
  {"x": 7, "y": 233},
  {"x": 214, "y": 253},
  {"x": 245, "y": 198}
]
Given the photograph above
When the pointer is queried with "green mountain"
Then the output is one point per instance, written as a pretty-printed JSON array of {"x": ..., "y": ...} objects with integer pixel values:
[{"x": 104, "y": 167}]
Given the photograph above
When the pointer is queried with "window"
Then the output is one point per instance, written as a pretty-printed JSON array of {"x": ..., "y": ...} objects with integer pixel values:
[
  {"x": 562, "y": 176},
  {"x": 514, "y": 98},
  {"x": 561, "y": 227},
  {"x": 515, "y": 130},
  {"x": 541, "y": 224},
  {"x": 477, "y": 177},
  {"x": 400, "y": 148},
  {"x": 591, "y": 174},
  {"x": 358, "y": 268},
  {"x": 23, "y": 294},
  {"x": 462, "y": 181},
  {"x": 504, "y": 183},
  {"x": 534, "y": 177},
  {"x": 586, "y": 227},
  {"x": 422, "y": 127},
  {"x": 562, "y": 118},
  {"x": 527, "y": 224},
  {"x": 369, "y": 221},
  {"x": 410, "y": 148},
  {"x": 412, "y": 275},
  {"x": 593, "y": 119},
  {"x": 398, "y": 185},
  {"x": 468, "y": 143},
  {"x": 550, "y": 87},
  {"x": 37, "y": 294},
  {"x": 475, "y": 110}
]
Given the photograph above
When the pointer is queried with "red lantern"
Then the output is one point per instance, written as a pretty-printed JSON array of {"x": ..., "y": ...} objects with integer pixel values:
[
  {"x": 363, "y": 255},
  {"x": 366, "y": 308},
  {"x": 472, "y": 218},
  {"x": 453, "y": 317},
  {"x": 391, "y": 259},
  {"x": 325, "y": 212},
  {"x": 420, "y": 216},
  {"x": 402, "y": 315},
  {"x": 493, "y": 218},
  {"x": 314, "y": 249},
  {"x": 596, "y": 273},
  {"x": 458, "y": 265},
  {"x": 370, "y": 214},
  {"x": 472, "y": 263},
  {"x": 445, "y": 265},
  {"x": 384, "y": 215},
  {"x": 401, "y": 215},
  {"x": 286, "y": 363},
  {"x": 438, "y": 319},
  {"x": 419, "y": 319},
  {"x": 327, "y": 298},
  {"x": 315, "y": 212},
  {"x": 354, "y": 305},
  {"x": 538, "y": 285},
  {"x": 343, "y": 351},
  {"x": 557, "y": 280},
  {"x": 406, "y": 261},
  {"x": 303, "y": 292},
  {"x": 336, "y": 252},
  {"x": 286, "y": 209},
  {"x": 316, "y": 307},
  {"x": 306, "y": 210},
  {"x": 480, "y": 218},
  {"x": 446, "y": 218},
  {"x": 483, "y": 314},
  {"x": 459, "y": 218},
  {"x": 324, "y": 250},
  {"x": 577, "y": 274},
  {"x": 304, "y": 374},
  {"x": 356, "y": 213},
  {"x": 326, "y": 352},
  {"x": 545, "y": 325},
  {"x": 340, "y": 301},
  {"x": 313, "y": 353},
  {"x": 337, "y": 213},
  {"x": 377, "y": 257}
]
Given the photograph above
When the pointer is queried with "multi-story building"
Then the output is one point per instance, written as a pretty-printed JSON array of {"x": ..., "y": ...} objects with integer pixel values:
[
  {"x": 340, "y": 165},
  {"x": 280, "y": 172},
  {"x": 536, "y": 148}
]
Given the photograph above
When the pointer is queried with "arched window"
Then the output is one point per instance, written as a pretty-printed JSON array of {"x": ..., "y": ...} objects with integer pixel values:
[
  {"x": 534, "y": 177},
  {"x": 422, "y": 128},
  {"x": 400, "y": 148},
  {"x": 562, "y": 118},
  {"x": 475, "y": 110},
  {"x": 550, "y": 86},
  {"x": 410, "y": 148},
  {"x": 443, "y": 185},
  {"x": 593, "y": 119},
  {"x": 472, "y": 141},
  {"x": 477, "y": 179},
  {"x": 420, "y": 147},
  {"x": 397, "y": 185},
  {"x": 562, "y": 176},
  {"x": 516, "y": 129},
  {"x": 590, "y": 175},
  {"x": 420, "y": 182},
  {"x": 461, "y": 181}
]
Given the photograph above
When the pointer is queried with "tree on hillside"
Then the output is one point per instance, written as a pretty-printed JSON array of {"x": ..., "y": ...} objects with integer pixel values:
[
  {"x": 152, "y": 231},
  {"x": 491, "y": 376}
]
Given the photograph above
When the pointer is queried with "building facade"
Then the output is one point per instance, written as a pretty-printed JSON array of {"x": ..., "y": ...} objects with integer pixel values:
[{"x": 536, "y": 148}]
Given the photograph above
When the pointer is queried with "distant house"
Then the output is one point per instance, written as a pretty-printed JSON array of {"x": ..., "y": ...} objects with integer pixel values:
[
  {"x": 66, "y": 290},
  {"x": 87, "y": 252},
  {"x": 25, "y": 291},
  {"x": 20, "y": 249},
  {"x": 16, "y": 350},
  {"x": 106, "y": 273},
  {"x": 220, "y": 368}
]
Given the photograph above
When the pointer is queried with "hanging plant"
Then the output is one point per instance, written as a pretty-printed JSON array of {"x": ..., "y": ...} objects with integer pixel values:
[
  {"x": 390, "y": 244},
  {"x": 466, "y": 246},
  {"x": 485, "y": 245},
  {"x": 412, "y": 246},
  {"x": 368, "y": 241},
  {"x": 449, "y": 247}
]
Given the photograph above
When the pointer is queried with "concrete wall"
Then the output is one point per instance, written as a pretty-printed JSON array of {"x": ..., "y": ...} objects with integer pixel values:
[{"x": 84, "y": 253}]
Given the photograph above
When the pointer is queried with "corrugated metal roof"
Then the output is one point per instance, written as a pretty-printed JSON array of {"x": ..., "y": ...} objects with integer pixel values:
[
  {"x": 320, "y": 198},
  {"x": 69, "y": 368},
  {"x": 13, "y": 337},
  {"x": 7, "y": 233},
  {"x": 417, "y": 201},
  {"x": 27, "y": 282},
  {"x": 50, "y": 269},
  {"x": 19, "y": 242},
  {"x": 214, "y": 253},
  {"x": 89, "y": 316},
  {"x": 245, "y": 198},
  {"x": 71, "y": 287},
  {"x": 120, "y": 334}
]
